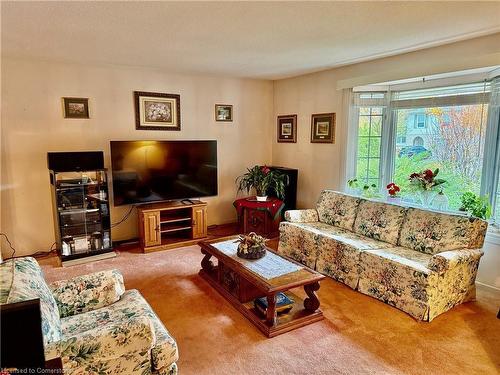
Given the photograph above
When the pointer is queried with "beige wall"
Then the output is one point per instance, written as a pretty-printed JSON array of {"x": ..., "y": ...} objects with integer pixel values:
[
  {"x": 322, "y": 165},
  {"x": 32, "y": 124}
]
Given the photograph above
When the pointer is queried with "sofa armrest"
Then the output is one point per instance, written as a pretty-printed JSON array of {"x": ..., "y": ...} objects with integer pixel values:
[
  {"x": 447, "y": 260},
  {"x": 111, "y": 341},
  {"x": 87, "y": 292},
  {"x": 302, "y": 216}
]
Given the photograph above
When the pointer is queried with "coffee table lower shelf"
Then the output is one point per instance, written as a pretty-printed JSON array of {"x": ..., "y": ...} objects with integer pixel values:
[{"x": 296, "y": 318}]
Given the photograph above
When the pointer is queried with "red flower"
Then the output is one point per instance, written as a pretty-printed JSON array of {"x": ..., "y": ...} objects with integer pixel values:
[
  {"x": 265, "y": 169},
  {"x": 428, "y": 174},
  {"x": 393, "y": 189}
]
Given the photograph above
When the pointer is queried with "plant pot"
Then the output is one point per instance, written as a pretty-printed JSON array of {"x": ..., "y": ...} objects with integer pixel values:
[
  {"x": 254, "y": 252},
  {"x": 261, "y": 198}
]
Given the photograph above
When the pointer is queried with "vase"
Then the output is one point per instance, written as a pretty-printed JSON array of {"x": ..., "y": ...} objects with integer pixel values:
[
  {"x": 262, "y": 198},
  {"x": 392, "y": 199},
  {"x": 440, "y": 202},
  {"x": 426, "y": 197}
]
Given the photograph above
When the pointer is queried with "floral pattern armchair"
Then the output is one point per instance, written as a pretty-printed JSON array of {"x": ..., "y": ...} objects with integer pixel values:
[
  {"x": 419, "y": 261},
  {"x": 91, "y": 322}
]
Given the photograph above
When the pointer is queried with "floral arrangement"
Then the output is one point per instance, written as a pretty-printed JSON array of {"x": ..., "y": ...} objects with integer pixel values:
[
  {"x": 262, "y": 178},
  {"x": 426, "y": 180},
  {"x": 393, "y": 190},
  {"x": 251, "y": 246}
]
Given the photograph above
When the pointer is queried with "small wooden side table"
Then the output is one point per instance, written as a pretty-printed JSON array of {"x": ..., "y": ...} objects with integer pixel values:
[{"x": 262, "y": 218}]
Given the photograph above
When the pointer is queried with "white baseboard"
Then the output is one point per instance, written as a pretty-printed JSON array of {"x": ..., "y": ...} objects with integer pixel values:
[{"x": 488, "y": 286}]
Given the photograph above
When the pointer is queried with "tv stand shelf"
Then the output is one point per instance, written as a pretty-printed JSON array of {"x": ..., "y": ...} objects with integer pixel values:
[{"x": 169, "y": 225}]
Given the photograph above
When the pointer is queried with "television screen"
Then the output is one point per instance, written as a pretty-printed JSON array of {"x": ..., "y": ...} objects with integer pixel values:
[{"x": 150, "y": 171}]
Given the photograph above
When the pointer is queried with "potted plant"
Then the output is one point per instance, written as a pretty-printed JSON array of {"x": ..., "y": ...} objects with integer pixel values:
[
  {"x": 393, "y": 191},
  {"x": 475, "y": 205},
  {"x": 262, "y": 178},
  {"x": 354, "y": 186},
  {"x": 424, "y": 183}
]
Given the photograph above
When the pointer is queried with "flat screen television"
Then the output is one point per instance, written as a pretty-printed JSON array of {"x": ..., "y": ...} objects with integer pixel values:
[{"x": 151, "y": 171}]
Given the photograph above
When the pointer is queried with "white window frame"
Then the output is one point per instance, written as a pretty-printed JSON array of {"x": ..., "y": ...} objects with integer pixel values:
[{"x": 491, "y": 158}]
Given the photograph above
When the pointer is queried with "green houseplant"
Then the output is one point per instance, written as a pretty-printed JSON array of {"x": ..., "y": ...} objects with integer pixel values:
[
  {"x": 475, "y": 205},
  {"x": 262, "y": 179}
]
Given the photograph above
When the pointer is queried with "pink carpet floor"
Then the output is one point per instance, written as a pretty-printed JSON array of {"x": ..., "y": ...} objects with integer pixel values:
[{"x": 359, "y": 335}]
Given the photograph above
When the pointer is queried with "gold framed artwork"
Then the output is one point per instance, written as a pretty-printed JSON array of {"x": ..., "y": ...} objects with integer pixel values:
[
  {"x": 76, "y": 107},
  {"x": 223, "y": 112},
  {"x": 323, "y": 128},
  {"x": 287, "y": 129},
  {"x": 157, "y": 111}
]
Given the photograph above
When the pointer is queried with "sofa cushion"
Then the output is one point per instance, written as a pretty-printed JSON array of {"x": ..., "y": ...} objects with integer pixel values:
[
  {"x": 432, "y": 232},
  {"x": 337, "y": 209},
  {"x": 338, "y": 254},
  {"x": 380, "y": 221},
  {"x": 25, "y": 282},
  {"x": 326, "y": 248},
  {"x": 131, "y": 305},
  {"x": 87, "y": 292},
  {"x": 398, "y": 276}
]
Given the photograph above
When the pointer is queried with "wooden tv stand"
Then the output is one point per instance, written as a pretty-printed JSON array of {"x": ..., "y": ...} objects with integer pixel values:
[{"x": 168, "y": 225}]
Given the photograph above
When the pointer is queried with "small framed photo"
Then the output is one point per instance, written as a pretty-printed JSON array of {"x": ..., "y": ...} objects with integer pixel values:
[
  {"x": 76, "y": 107},
  {"x": 323, "y": 128},
  {"x": 287, "y": 129},
  {"x": 157, "y": 111},
  {"x": 223, "y": 112}
]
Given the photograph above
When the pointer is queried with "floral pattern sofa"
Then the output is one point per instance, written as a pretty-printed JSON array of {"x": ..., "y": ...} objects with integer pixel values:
[
  {"x": 91, "y": 322},
  {"x": 420, "y": 261}
]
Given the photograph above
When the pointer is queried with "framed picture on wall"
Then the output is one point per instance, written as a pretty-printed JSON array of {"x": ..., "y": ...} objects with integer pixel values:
[
  {"x": 223, "y": 112},
  {"x": 323, "y": 128},
  {"x": 157, "y": 111},
  {"x": 287, "y": 129},
  {"x": 76, "y": 107}
]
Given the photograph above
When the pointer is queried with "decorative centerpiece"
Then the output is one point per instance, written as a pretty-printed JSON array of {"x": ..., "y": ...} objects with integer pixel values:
[
  {"x": 424, "y": 183},
  {"x": 262, "y": 179},
  {"x": 251, "y": 246}
]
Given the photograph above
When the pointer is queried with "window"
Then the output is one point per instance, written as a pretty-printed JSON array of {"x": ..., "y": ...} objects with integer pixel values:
[
  {"x": 444, "y": 128},
  {"x": 419, "y": 122},
  {"x": 369, "y": 118},
  {"x": 401, "y": 139},
  {"x": 456, "y": 149}
]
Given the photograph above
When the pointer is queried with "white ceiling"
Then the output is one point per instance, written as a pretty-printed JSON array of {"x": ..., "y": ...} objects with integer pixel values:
[{"x": 245, "y": 39}]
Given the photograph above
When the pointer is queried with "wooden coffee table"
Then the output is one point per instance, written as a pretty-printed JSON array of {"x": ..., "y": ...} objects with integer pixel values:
[{"x": 241, "y": 281}]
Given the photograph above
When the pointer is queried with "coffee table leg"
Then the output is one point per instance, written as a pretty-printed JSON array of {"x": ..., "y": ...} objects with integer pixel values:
[
  {"x": 206, "y": 263},
  {"x": 271, "y": 310},
  {"x": 311, "y": 303}
]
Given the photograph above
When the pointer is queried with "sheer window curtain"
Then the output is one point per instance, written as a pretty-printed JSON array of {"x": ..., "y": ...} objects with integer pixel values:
[
  {"x": 350, "y": 146},
  {"x": 491, "y": 162}
]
